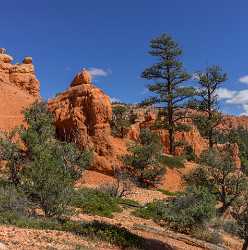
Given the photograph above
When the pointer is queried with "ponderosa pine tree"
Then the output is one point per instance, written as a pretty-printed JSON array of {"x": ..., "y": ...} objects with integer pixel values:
[
  {"x": 169, "y": 85},
  {"x": 209, "y": 82}
]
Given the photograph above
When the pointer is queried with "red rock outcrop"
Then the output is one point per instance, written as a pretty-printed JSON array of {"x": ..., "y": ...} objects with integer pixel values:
[
  {"x": 82, "y": 114},
  {"x": 19, "y": 88},
  {"x": 146, "y": 119},
  {"x": 13, "y": 102},
  {"x": 21, "y": 76},
  {"x": 233, "y": 122}
]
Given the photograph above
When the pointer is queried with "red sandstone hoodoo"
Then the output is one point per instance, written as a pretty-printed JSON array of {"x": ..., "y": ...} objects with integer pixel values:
[{"x": 83, "y": 114}]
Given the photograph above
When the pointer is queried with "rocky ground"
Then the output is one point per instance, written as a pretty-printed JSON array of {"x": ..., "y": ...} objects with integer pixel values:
[{"x": 13, "y": 238}]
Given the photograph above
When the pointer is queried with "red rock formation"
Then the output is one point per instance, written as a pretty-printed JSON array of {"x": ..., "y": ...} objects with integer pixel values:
[
  {"x": 21, "y": 76},
  {"x": 15, "y": 97},
  {"x": 230, "y": 122},
  {"x": 234, "y": 149},
  {"x": 146, "y": 118},
  {"x": 82, "y": 114},
  {"x": 13, "y": 102}
]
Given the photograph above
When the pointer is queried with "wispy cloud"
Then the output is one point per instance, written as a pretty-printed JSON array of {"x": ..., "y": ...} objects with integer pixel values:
[
  {"x": 241, "y": 97},
  {"x": 224, "y": 93},
  {"x": 99, "y": 72},
  {"x": 244, "y": 79},
  {"x": 235, "y": 97},
  {"x": 114, "y": 99}
]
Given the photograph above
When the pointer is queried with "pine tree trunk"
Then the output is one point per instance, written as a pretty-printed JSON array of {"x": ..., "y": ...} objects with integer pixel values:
[
  {"x": 170, "y": 120},
  {"x": 171, "y": 142},
  {"x": 210, "y": 132},
  {"x": 245, "y": 245}
]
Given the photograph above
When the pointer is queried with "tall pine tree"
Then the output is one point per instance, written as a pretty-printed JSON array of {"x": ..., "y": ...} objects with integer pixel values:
[
  {"x": 169, "y": 77},
  {"x": 209, "y": 80}
]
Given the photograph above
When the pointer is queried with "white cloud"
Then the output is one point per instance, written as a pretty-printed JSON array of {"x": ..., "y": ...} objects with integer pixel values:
[
  {"x": 99, "y": 72},
  {"x": 114, "y": 99},
  {"x": 235, "y": 98},
  {"x": 245, "y": 107},
  {"x": 224, "y": 93},
  {"x": 244, "y": 79},
  {"x": 241, "y": 97}
]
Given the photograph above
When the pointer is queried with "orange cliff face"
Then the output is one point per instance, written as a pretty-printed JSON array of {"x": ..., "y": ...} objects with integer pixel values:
[
  {"x": 82, "y": 114},
  {"x": 18, "y": 89}
]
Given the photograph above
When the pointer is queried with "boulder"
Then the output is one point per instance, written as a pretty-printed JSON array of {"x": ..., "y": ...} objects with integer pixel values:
[{"x": 28, "y": 60}]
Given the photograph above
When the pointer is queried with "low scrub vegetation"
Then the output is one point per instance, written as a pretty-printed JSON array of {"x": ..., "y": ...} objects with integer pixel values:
[
  {"x": 145, "y": 161},
  {"x": 186, "y": 213},
  {"x": 174, "y": 161},
  {"x": 95, "y": 202}
]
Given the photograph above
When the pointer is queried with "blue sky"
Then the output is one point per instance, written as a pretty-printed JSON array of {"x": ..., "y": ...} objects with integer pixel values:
[{"x": 112, "y": 37}]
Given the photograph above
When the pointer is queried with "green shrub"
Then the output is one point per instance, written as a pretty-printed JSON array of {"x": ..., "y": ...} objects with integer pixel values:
[
  {"x": 203, "y": 233},
  {"x": 190, "y": 210},
  {"x": 169, "y": 193},
  {"x": 110, "y": 233},
  {"x": 182, "y": 213},
  {"x": 231, "y": 226},
  {"x": 13, "y": 201},
  {"x": 189, "y": 153},
  {"x": 242, "y": 222},
  {"x": 174, "y": 161},
  {"x": 145, "y": 161},
  {"x": 12, "y": 153},
  {"x": 154, "y": 210},
  {"x": 128, "y": 203},
  {"x": 94, "y": 202}
]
